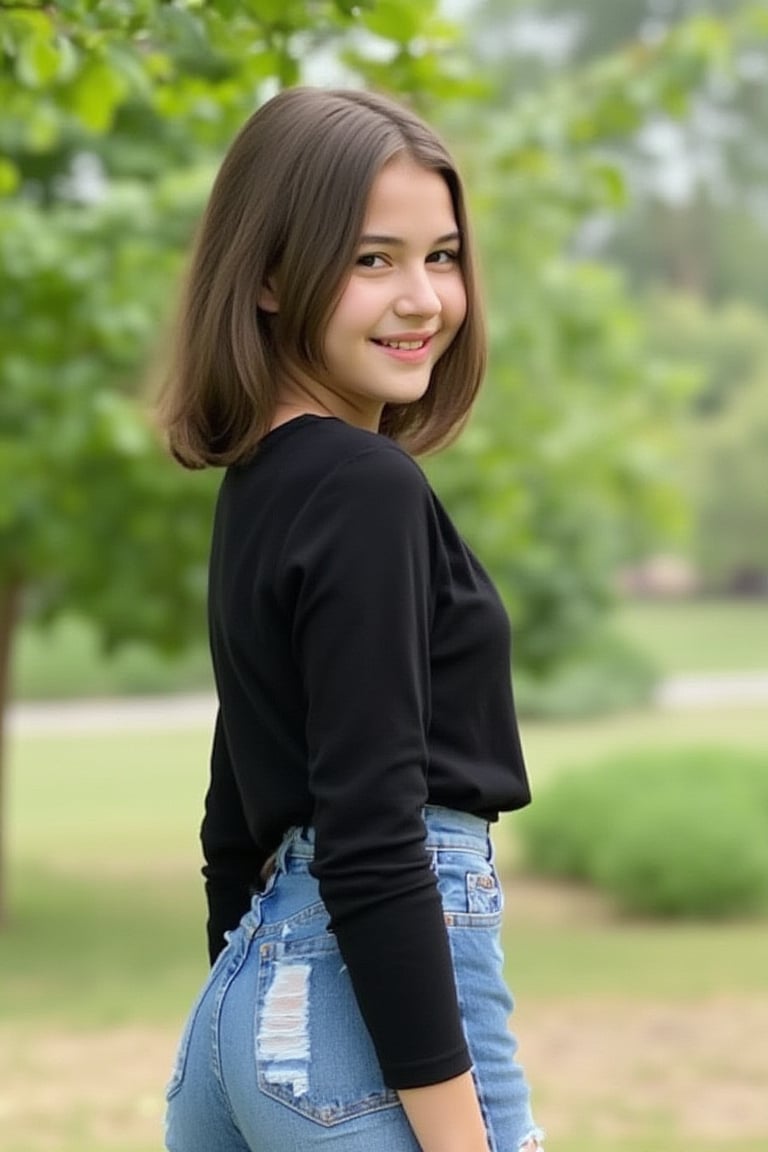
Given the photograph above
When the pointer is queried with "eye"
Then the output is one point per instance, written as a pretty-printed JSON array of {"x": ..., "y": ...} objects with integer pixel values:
[
  {"x": 370, "y": 260},
  {"x": 444, "y": 256}
]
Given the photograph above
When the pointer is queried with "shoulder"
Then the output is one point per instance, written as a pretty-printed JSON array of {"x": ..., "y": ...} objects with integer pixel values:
[
  {"x": 360, "y": 463},
  {"x": 360, "y": 492}
]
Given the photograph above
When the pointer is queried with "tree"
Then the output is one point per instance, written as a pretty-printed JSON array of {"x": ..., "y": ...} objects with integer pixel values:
[
  {"x": 697, "y": 220},
  {"x": 730, "y": 490},
  {"x": 724, "y": 463},
  {"x": 114, "y": 112},
  {"x": 565, "y": 472}
]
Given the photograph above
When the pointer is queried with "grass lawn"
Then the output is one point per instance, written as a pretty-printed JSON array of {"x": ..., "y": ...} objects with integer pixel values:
[
  {"x": 550, "y": 747},
  {"x": 105, "y": 949},
  {"x": 699, "y": 635}
]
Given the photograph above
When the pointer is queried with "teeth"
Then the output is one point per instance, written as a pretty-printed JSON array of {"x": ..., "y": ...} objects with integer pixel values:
[{"x": 403, "y": 345}]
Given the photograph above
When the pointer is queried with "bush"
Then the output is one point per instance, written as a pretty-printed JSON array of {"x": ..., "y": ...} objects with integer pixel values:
[
  {"x": 608, "y": 677},
  {"x": 667, "y": 833},
  {"x": 64, "y": 661}
]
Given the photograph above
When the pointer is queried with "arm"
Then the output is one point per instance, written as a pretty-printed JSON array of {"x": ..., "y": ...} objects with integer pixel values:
[
  {"x": 446, "y": 1117},
  {"x": 360, "y": 565},
  {"x": 232, "y": 858}
]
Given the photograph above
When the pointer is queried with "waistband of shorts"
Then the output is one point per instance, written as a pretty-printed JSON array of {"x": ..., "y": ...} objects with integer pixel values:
[{"x": 447, "y": 828}]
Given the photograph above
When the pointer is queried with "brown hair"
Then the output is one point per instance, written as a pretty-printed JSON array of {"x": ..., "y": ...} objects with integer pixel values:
[{"x": 290, "y": 200}]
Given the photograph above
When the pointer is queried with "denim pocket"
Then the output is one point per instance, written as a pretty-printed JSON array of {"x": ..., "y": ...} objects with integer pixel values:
[
  {"x": 470, "y": 890},
  {"x": 313, "y": 1052},
  {"x": 483, "y": 894}
]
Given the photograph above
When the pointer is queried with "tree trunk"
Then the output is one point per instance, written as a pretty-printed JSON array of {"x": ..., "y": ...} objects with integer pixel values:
[{"x": 10, "y": 597}]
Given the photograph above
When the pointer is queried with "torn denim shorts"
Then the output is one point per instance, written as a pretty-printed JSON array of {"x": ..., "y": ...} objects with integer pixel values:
[{"x": 275, "y": 1056}]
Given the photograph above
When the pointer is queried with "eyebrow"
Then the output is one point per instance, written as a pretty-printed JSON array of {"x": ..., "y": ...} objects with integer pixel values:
[{"x": 389, "y": 241}]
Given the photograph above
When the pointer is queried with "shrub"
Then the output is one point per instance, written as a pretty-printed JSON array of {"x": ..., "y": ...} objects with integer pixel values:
[
  {"x": 665, "y": 832},
  {"x": 609, "y": 676}
]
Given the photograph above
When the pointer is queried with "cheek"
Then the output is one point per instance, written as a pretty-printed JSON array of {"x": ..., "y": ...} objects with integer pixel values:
[
  {"x": 457, "y": 302},
  {"x": 358, "y": 303}
]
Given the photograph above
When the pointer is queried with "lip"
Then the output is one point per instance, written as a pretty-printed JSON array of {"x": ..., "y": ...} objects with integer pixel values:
[
  {"x": 406, "y": 337},
  {"x": 407, "y": 355}
]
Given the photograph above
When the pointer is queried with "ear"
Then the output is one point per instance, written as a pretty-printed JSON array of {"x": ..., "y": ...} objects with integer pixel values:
[{"x": 267, "y": 300}]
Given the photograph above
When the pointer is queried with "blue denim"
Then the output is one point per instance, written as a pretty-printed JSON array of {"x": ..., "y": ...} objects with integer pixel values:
[{"x": 275, "y": 1057}]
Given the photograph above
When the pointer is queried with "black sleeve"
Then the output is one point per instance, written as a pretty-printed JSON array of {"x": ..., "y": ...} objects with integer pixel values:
[
  {"x": 232, "y": 859},
  {"x": 360, "y": 560}
]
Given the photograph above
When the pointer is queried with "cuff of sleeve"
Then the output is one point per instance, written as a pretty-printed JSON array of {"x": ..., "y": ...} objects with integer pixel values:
[
  {"x": 425, "y": 1073},
  {"x": 400, "y": 964},
  {"x": 225, "y": 909}
]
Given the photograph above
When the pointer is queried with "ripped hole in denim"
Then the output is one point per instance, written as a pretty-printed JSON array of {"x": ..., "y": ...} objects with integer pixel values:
[{"x": 283, "y": 1039}]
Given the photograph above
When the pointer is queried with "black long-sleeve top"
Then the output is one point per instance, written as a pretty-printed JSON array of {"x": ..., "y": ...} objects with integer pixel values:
[{"x": 361, "y": 657}]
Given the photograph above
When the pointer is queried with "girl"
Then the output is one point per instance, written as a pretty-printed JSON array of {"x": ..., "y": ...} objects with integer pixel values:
[{"x": 366, "y": 732}]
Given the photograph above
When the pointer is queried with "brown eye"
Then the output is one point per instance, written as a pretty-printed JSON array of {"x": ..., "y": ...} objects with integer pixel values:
[
  {"x": 443, "y": 256},
  {"x": 369, "y": 260}
]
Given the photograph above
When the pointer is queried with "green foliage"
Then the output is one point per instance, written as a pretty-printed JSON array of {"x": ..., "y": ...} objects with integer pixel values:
[
  {"x": 704, "y": 230},
  {"x": 694, "y": 850},
  {"x": 731, "y": 492},
  {"x": 664, "y": 832},
  {"x": 84, "y": 487},
  {"x": 561, "y": 475},
  {"x": 552, "y": 482},
  {"x": 725, "y": 435},
  {"x": 606, "y": 676},
  {"x": 75, "y": 65},
  {"x": 726, "y": 344},
  {"x": 65, "y": 660},
  {"x": 568, "y": 468},
  {"x": 92, "y": 516}
]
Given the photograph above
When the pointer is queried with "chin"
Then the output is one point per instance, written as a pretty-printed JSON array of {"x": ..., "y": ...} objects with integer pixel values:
[{"x": 408, "y": 395}]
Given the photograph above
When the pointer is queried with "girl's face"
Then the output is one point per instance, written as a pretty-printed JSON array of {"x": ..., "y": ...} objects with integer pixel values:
[{"x": 403, "y": 303}]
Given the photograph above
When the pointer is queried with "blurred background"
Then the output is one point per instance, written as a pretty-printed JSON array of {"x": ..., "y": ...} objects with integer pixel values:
[{"x": 614, "y": 479}]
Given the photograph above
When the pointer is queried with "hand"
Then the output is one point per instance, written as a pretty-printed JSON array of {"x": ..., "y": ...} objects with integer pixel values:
[{"x": 446, "y": 1117}]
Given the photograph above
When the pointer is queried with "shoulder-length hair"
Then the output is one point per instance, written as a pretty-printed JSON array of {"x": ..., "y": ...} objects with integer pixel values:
[{"x": 289, "y": 203}]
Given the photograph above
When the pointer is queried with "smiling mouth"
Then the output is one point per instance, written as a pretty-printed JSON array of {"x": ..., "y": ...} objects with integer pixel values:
[{"x": 403, "y": 345}]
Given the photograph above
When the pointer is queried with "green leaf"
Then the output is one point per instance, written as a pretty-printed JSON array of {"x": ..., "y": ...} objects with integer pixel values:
[
  {"x": 39, "y": 59},
  {"x": 397, "y": 20},
  {"x": 9, "y": 177},
  {"x": 96, "y": 94}
]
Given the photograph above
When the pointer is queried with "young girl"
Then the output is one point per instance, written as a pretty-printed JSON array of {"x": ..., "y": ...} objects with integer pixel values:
[{"x": 366, "y": 732}]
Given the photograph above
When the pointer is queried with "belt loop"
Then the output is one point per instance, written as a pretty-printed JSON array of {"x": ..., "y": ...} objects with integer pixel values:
[{"x": 283, "y": 849}]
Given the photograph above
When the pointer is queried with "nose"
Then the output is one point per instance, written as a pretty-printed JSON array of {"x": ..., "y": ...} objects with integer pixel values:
[{"x": 417, "y": 296}]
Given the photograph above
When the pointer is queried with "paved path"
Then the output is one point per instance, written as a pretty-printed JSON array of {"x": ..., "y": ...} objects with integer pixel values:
[
  {"x": 738, "y": 688},
  {"x": 132, "y": 713},
  {"x": 198, "y": 710}
]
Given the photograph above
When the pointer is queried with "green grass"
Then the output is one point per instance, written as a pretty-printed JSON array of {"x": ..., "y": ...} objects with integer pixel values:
[
  {"x": 123, "y": 801},
  {"x": 699, "y": 636},
  {"x": 107, "y": 926},
  {"x": 105, "y": 859},
  {"x": 659, "y": 1140},
  {"x": 550, "y": 747},
  {"x": 99, "y": 953},
  {"x": 610, "y": 959}
]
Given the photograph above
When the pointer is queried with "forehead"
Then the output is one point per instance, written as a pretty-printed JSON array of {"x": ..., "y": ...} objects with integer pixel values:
[{"x": 406, "y": 198}]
